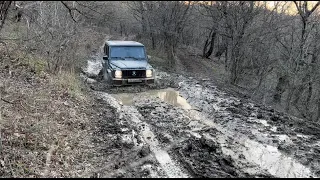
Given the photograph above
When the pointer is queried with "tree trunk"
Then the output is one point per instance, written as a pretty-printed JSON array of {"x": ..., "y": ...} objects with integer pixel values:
[
  {"x": 310, "y": 89},
  {"x": 299, "y": 91},
  {"x": 4, "y": 5},
  {"x": 226, "y": 60},
  {"x": 234, "y": 64},
  {"x": 234, "y": 69},
  {"x": 121, "y": 28},
  {"x": 318, "y": 113},
  {"x": 168, "y": 46},
  {"x": 210, "y": 50},
  {"x": 143, "y": 18},
  {"x": 153, "y": 41},
  {"x": 280, "y": 88},
  {"x": 310, "y": 84},
  {"x": 222, "y": 47},
  {"x": 288, "y": 101},
  {"x": 207, "y": 52}
]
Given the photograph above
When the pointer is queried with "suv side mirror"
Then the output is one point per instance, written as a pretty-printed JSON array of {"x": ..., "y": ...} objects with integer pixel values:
[
  {"x": 149, "y": 57},
  {"x": 105, "y": 57}
]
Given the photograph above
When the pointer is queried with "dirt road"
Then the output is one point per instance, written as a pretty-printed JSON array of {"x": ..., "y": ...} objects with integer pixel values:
[{"x": 182, "y": 127}]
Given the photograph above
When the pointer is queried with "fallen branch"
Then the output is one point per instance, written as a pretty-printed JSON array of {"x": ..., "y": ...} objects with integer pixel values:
[
  {"x": 25, "y": 109},
  {"x": 7, "y": 101},
  {"x": 204, "y": 129},
  {"x": 196, "y": 109}
]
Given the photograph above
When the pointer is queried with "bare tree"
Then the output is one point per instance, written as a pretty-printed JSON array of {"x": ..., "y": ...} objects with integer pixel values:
[
  {"x": 165, "y": 20},
  {"x": 305, "y": 14},
  {"x": 4, "y": 7}
]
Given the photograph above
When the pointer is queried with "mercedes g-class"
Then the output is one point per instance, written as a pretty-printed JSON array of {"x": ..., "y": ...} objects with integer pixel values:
[{"x": 125, "y": 63}]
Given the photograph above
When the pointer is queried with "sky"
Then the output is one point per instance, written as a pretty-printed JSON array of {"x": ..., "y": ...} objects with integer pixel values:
[{"x": 288, "y": 6}]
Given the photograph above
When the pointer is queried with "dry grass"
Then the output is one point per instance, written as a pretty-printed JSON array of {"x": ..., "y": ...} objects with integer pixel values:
[
  {"x": 45, "y": 124},
  {"x": 70, "y": 82},
  {"x": 46, "y": 120}
]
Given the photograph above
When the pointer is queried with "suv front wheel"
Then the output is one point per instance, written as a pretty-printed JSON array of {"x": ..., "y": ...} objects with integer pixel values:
[{"x": 106, "y": 76}]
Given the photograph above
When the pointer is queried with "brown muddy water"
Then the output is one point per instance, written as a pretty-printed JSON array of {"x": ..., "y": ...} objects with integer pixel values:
[
  {"x": 168, "y": 95},
  {"x": 265, "y": 156}
]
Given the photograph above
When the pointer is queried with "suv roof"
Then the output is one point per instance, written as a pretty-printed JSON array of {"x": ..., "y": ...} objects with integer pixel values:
[{"x": 123, "y": 43}]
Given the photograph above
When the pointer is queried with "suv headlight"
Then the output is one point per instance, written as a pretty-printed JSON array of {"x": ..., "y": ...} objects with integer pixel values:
[
  {"x": 149, "y": 73},
  {"x": 118, "y": 74}
]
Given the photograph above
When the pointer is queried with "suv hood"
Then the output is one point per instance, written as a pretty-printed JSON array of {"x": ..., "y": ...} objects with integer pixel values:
[{"x": 130, "y": 64}]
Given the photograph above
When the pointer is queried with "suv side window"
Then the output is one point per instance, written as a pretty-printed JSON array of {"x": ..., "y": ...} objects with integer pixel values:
[{"x": 106, "y": 50}]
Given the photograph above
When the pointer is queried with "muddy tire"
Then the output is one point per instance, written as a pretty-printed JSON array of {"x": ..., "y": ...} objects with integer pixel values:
[{"x": 106, "y": 77}]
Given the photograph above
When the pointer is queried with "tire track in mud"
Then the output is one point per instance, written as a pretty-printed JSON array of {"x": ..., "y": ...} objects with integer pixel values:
[
  {"x": 238, "y": 156},
  {"x": 200, "y": 154},
  {"x": 245, "y": 123},
  {"x": 175, "y": 122},
  {"x": 145, "y": 136}
]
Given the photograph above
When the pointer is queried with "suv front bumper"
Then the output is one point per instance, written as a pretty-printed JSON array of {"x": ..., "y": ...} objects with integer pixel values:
[{"x": 121, "y": 82}]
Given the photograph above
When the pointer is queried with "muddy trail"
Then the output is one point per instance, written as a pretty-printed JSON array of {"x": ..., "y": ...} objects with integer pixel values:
[{"x": 182, "y": 127}]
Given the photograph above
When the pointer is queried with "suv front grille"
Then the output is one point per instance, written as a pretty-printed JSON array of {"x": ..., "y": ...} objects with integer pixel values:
[{"x": 134, "y": 73}]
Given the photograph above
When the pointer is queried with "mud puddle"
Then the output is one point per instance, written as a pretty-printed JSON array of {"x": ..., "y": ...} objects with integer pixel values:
[
  {"x": 168, "y": 95},
  {"x": 268, "y": 158}
]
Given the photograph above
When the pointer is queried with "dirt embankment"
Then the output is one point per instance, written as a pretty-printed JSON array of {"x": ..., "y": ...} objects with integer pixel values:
[{"x": 49, "y": 124}]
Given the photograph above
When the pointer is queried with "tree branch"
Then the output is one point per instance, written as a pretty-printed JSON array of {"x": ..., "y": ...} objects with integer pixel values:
[
  {"x": 71, "y": 9},
  {"x": 313, "y": 9},
  {"x": 299, "y": 9},
  {"x": 7, "y": 101},
  {"x": 89, "y": 8}
]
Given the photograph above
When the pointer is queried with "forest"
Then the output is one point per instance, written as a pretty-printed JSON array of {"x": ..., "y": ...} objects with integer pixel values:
[
  {"x": 53, "y": 124},
  {"x": 268, "y": 51}
]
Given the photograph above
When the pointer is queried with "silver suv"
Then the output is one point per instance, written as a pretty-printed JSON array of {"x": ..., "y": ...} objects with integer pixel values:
[{"x": 125, "y": 63}]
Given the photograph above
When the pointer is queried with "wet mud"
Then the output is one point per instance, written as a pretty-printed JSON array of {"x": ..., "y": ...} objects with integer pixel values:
[{"x": 181, "y": 127}]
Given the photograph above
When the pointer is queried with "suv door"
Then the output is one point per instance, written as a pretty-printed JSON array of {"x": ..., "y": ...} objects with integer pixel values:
[
  {"x": 105, "y": 63},
  {"x": 106, "y": 49},
  {"x": 106, "y": 52}
]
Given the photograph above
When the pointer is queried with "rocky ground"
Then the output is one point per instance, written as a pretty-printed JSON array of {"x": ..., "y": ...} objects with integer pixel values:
[{"x": 186, "y": 127}]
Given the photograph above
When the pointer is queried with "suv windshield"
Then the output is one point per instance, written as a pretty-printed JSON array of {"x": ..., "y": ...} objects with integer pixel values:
[{"x": 122, "y": 52}]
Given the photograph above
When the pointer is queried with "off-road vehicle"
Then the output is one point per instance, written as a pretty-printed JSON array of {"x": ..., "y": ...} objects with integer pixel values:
[{"x": 125, "y": 63}]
